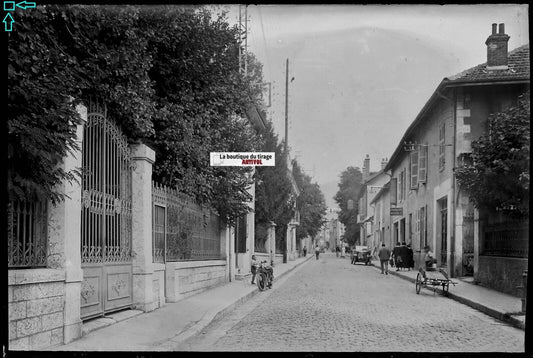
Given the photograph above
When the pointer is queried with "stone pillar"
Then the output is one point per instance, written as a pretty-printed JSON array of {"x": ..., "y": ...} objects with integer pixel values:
[
  {"x": 64, "y": 238},
  {"x": 231, "y": 253},
  {"x": 141, "y": 205},
  {"x": 224, "y": 248},
  {"x": 271, "y": 247},
  {"x": 477, "y": 242}
]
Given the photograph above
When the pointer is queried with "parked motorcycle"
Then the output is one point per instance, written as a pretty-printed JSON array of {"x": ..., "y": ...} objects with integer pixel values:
[{"x": 265, "y": 276}]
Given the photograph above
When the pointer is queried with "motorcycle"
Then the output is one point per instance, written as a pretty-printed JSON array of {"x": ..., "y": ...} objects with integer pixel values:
[{"x": 265, "y": 276}]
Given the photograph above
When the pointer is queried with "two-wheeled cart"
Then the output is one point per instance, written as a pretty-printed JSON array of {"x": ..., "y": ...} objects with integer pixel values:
[{"x": 433, "y": 277}]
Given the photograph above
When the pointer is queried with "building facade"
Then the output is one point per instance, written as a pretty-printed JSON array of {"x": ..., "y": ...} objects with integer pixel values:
[{"x": 427, "y": 208}]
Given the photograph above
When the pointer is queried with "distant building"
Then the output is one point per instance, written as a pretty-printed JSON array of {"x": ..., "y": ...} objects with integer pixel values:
[{"x": 372, "y": 183}]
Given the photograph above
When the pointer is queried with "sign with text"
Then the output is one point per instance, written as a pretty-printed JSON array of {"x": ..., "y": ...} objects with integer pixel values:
[
  {"x": 396, "y": 211},
  {"x": 242, "y": 159}
]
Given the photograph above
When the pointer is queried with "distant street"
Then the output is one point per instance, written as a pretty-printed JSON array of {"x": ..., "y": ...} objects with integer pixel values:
[{"x": 331, "y": 305}]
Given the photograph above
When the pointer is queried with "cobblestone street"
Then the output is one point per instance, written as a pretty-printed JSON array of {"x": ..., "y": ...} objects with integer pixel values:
[{"x": 331, "y": 305}]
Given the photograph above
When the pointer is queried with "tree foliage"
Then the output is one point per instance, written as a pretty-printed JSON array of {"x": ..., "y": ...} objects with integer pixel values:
[
  {"x": 349, "y": 189},
  {"x": 168, "y": 75},
  {"x": 497, "y": 177},
  {"x": 310, "y": 203},
  {"x": 274, "y": 201}
]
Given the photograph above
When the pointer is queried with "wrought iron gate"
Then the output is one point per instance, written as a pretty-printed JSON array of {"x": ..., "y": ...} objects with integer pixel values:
[{"x": 106, "y": 216}]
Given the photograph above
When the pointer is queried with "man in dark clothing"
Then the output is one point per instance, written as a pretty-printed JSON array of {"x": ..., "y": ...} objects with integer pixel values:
[
  {"x": 305, "y": 251},
  {"x": 384, "y": 255},
  {"x": 397, "y": 257},
  {"x": 410, "y": 259},
  {"x": 404, "y": 253}
]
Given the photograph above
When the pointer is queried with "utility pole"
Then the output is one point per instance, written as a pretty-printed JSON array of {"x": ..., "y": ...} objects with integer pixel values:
[
  {"x": 287, "y": 107},
  {"x": 243, "y": 37}
]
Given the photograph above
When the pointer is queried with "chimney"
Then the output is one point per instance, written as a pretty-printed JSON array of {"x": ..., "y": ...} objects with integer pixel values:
[
  {"x": 497, "y": 49},
  {"x": 384, "y": 162},
  {"x": 366, "y": 168}
]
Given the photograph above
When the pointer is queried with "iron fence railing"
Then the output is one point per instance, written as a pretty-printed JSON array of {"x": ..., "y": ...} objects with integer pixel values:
[
  {"x": 182, "y": 229},
  {"x": 507, "y": 239},
  {"x": 27, "y": 234}
]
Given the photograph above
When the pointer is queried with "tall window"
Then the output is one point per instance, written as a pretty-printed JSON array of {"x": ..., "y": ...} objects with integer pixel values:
[
  {"x": 414, "y": 169},
  {"x": 442, "y": 136},
  {"x": 410, "y": 228},
  {"x": 422, "y": 226},
  {"x": 422, "y": 213},
  {"x": 422, "y": 164},
  {"x": 401, "y": 185},
  {"x": 404, "y": 175}
]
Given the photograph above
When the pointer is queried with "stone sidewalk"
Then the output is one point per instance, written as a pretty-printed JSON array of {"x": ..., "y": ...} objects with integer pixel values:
[
  {"x": 165, "y": 328},
  {"x": 504, "y": 307}
]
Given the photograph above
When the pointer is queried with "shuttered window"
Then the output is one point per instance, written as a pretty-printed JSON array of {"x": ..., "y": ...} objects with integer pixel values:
[
  {"x": 442, "y": 136},
  {"x": 414, "y": 169},
  {"x": 422, "y": 164},
  {"x": 394, "y": 191}
]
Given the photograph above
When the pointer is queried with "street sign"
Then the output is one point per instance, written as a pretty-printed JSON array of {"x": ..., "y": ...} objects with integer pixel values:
[{"x": 396, "y": 211}]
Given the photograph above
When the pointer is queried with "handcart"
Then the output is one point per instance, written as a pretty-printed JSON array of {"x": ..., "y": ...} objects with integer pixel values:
[{"x": 432, "y": 276}]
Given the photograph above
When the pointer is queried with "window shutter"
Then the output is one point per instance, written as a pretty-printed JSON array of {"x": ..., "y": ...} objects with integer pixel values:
[
  {"x": 393, "y": 191},
  {"x": 442, "y": 137},
  {"x": 422, "y": 164},
  {"x": 404, "y": 176},
  {"x": 414, "y": 169},
  {"x": 400, "y": 184}
]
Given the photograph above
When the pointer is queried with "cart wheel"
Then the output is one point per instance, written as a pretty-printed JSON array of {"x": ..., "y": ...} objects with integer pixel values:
[
  {"x": 418, "y": 283},
  {"x": 446, "y": 289}
]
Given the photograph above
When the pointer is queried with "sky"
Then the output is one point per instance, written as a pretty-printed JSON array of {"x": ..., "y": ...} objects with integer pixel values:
[{"x": 363, "y": 72}]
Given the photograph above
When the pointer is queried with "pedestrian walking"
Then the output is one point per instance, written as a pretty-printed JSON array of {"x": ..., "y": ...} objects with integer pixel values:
[
  {"x": 305, "y": 251},
  {"x": 317, "y": 251},
  {"x": 384, "y": 255},
  {"x": 404, "y": 253},
  {"x": 255, "y": 264},
  {"x": 410, "y": 257},
  {"x": 397, "y": 257},
  {"x": 429, "y": 260},
  {"x": 343, "y": 251},
  {"x": 337, "y": 250}
]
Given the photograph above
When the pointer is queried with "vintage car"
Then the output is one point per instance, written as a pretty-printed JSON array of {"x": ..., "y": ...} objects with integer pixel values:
[{"x": 361, "y": 254}]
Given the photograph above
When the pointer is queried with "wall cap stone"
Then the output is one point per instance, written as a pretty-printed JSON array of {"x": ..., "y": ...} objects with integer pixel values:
[
  {"x": 31, "y": 276},
  {"x": 140, "y": 151},
  {"x": 194, "y": 264}
]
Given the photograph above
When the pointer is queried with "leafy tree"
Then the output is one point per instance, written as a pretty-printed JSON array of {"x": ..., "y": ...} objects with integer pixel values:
[
  {"x": 349, "y": 189},
  {"x": 202, "y": 100},
  {"x": 310, "y": 203},
  {"x": 169, "y": 77},
  {"x": 497, "y": 176},
  {"x": 273, "y": 188}
]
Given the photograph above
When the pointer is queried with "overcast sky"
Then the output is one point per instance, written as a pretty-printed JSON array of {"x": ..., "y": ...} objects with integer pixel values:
[{"x": 362, "y": 73}]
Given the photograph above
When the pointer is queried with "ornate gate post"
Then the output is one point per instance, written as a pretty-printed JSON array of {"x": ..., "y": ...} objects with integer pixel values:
[
  {"x": 271, "y": 247},
  {"x": 141, "y": 211},
  {"x": 64, "y": 235}
]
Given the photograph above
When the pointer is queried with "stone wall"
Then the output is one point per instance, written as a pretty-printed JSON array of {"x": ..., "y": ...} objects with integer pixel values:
[
  {"x": 184, "y": 279},
  {"x": 501, "y": 273},
  {"x": 36, "y": 300}
]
